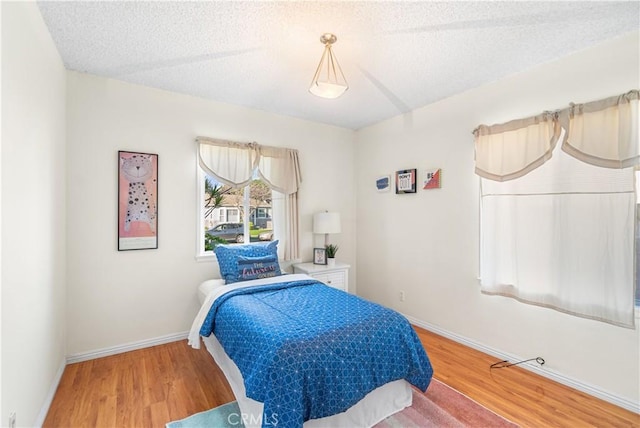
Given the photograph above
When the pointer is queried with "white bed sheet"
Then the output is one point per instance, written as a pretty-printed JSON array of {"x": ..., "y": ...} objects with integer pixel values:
[
  {"x": 373, "y": 408},
  {"x": 207, "y": 287}
]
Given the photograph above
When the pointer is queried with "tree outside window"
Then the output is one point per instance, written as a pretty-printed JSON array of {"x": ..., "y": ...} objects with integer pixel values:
[{"x": 221, "y": 200}]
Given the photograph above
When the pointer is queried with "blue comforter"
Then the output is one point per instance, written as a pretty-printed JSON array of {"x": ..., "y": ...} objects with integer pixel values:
[{"x": 308, "y": 351}]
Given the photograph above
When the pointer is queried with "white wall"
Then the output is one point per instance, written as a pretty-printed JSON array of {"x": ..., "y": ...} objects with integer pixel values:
[
  {"x": 120, "y": 297},
  {"x": 427, "y": 244},
  {"x": 33, "y": 213}
]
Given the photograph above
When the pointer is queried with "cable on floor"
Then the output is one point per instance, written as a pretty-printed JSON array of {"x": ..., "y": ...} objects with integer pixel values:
[{"x": 505, "y": 363}]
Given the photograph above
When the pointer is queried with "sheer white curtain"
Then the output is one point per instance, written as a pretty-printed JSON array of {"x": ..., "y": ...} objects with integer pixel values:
[
  {"x": 285, "y": 215},
  {"x": 562, "y": 237},
  {"x": 557, "y": 229},
  {"x": 234, "y": 163},
  {"x": 280, "y": 169}
]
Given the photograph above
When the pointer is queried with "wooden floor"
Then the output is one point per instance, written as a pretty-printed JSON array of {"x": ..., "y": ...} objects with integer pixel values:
[{"x": 152, "y": 386}]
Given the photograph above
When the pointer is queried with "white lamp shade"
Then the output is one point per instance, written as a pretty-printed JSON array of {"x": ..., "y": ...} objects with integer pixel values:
[
  {"x": 326, "y": 223},
  {"x": 327, "y": 90}
]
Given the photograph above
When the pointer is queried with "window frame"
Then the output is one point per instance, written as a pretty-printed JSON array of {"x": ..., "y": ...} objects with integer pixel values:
[
  {"x": 636, "y": 232},
  {"x": 201, "y": 254}
]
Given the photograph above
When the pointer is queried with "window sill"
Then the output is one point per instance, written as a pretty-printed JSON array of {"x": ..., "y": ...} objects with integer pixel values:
[{"x": 206, "y": 258}]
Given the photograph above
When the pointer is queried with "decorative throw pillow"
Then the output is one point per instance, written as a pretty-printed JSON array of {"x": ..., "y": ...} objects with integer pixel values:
[
  {"x": 228, "y": 255},
  {"x": 257, "y": 267}
]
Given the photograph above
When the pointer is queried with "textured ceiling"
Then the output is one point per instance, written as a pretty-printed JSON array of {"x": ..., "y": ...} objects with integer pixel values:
[{"x": 396, "y": 56}]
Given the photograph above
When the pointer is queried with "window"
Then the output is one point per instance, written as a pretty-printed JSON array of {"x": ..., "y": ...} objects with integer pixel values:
[
  {"x": 561, "y": 237},
  {"x": 233, "y": 215},
  {"x": 637, "y": 239},
  {"x": 557, "y": 221},
  {"x": 230, "y": 207},
  {"x": 256, "y": 186}
]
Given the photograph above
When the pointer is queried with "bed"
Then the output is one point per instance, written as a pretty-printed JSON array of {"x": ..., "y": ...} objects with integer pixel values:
[{"x": 299, "y": 353}]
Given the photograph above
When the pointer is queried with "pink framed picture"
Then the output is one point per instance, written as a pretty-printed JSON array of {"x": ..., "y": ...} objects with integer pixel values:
[
  {"x": 432, "y": 179},
  {"x": 137, "y": 201}
]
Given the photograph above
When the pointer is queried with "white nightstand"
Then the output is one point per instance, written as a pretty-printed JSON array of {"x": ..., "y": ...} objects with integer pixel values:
[{"x": 336, "y": 276}]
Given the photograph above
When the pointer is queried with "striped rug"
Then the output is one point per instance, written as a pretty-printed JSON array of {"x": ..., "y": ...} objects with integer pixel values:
[
  {"x": 440, "y": 406},
  {"x": 443, "y": 406}
]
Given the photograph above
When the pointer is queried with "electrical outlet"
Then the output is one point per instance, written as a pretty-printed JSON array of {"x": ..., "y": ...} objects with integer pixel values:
[
  {"x": 402, "y": 296},
  {"x": 12, "y": 420}
]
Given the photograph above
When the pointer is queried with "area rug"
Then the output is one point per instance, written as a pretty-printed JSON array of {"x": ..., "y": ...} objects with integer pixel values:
[{"x": 440, "y": 406}]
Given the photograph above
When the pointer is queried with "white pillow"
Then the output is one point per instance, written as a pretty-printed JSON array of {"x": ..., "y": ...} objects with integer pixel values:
[{"x": 206, "y": 287}]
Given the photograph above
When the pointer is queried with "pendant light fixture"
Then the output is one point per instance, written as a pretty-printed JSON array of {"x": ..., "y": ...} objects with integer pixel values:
[{"x": 329, "y": 81}]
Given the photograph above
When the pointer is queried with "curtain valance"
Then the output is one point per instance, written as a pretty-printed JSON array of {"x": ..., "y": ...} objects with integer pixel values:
[
  {"x": 230, "y": 162},
  {"x": 279, "y": 168},
  {"x": 511, "y": 150},
  {"x": 602, "y": 133},
  {"x": 234, "y": 163}
]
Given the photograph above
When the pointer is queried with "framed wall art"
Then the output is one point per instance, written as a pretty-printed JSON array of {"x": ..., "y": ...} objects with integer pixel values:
[
  {"x": 383, "y": 184},
  {"x": 406, "y": 181},
  {"x": 319, "y": 256},
  {"x": 432, "y": 179},
  {"x": 137, "y": 201}
]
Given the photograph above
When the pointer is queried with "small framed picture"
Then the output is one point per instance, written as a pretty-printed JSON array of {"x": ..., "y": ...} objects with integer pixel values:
[
  {"x": 383, "y": 183},
  {"x": 432, "y": 179},
  {"x": 319, "y": 256},
  {"x": 406, "y": 181}
]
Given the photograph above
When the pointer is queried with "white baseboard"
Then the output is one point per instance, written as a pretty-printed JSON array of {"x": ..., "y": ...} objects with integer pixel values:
[
  {"x": 550, "y": 374},
  {"x": 49, "y": 398},
  {"x": 131, "y": 346}
]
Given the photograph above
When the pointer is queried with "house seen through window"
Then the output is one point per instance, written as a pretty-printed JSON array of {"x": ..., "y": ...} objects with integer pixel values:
[{"x": 236, "y": 216}]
